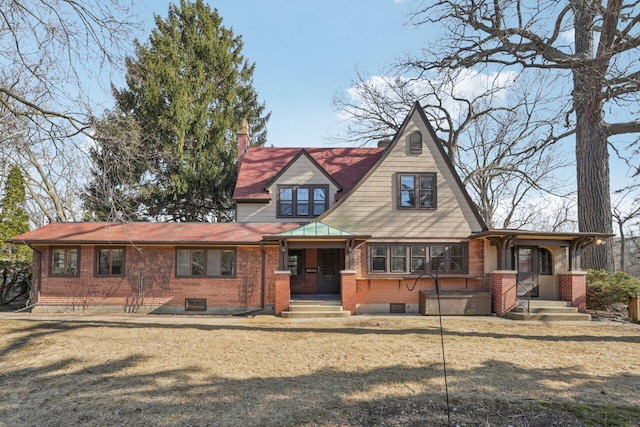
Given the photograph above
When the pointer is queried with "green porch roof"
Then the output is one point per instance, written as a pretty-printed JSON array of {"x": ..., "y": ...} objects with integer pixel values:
[{"x": 316, "y": 229}]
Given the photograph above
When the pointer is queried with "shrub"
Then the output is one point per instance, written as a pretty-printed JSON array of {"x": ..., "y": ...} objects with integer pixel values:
[{"x": 604, "y": 289}]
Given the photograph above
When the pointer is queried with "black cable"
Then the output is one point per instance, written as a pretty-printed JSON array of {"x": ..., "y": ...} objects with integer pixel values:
[{"x": 444, "y": 360}]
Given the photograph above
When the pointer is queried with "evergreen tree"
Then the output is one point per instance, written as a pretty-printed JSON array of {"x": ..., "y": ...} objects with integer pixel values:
[
  {"x": 14, "y": 219},
  {"x": 15, "y": 261},
  {"x": 187, "y": 88}
]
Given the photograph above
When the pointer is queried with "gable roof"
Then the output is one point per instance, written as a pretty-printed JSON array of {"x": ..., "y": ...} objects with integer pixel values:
[
  {"x": 416, "y": 107},
  {"x": 151, "y": 233},
  {"x": 259, "y": 167},
  {"x": 305, "y": 153}
]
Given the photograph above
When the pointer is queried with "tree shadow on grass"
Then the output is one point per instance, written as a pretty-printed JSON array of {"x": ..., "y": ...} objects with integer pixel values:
[
  {"x": 39, "y": 328},
  {"x": 127, "y": 391}
]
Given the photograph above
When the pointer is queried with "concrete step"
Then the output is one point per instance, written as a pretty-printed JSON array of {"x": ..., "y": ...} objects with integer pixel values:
[
  {"x": 548, "y": 310},
  {"x": 313, "y": 314},
  {"x": 315, "y": 302},
  {"x": 316, "y": 307},
  {"x": 549, "y": 317},
  {"x": 549, "y": 303}
]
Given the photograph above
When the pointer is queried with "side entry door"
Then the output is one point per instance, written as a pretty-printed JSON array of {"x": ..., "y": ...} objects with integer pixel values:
[{"x": 525, "y": 261}]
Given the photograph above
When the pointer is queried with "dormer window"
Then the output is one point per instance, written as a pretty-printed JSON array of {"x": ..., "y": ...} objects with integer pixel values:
[
  {"x": 302, "y": 200},
  {"x": 415, "y": 142}
]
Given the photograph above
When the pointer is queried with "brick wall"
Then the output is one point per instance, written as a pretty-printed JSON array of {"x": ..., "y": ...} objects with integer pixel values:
[
  {"x": 282, "y": 291},
  {"x": 348, "y": 290},
  {"x": 503, "y": 289},
  {"x": 573, "y": 288},
  {"x": 150, "y": 279}
]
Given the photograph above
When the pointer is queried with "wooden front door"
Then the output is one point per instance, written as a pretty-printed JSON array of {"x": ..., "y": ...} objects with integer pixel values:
[
  {"x": 329, "y": 271},
  {"x": 525, "y": 261}
]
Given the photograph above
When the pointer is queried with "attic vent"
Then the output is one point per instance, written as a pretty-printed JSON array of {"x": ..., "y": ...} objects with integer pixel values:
[{"x": 415, "y": 142}]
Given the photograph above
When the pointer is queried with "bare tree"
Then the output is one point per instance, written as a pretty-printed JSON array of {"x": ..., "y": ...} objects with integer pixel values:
[
  {"x": 489, "y": 125},
  {"x": 558, "y": 37},
  {"x": 52, "y": 48},
  {"x": 624, "y": 213},
  {"x": 54, "y": 167}
]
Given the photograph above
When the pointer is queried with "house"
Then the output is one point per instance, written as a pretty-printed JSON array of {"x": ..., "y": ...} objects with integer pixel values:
[{"x": 373, "y": 229}]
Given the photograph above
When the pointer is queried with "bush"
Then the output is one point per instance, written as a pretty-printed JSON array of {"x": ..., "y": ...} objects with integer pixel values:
[{"x": 604, "y": 289}]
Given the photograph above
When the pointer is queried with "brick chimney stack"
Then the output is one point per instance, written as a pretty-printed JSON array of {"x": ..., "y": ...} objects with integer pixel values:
[{"x": 243, "y": 139}]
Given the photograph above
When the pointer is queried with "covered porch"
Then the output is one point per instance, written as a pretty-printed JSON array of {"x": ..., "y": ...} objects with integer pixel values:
[
  {"x": 524, "y": 266},
  {"x": 316, "y": 269}
]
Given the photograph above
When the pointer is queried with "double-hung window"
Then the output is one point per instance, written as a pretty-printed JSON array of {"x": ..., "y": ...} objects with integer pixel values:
[
  {"x": 205, "y": 262},
  {"x": 417, "y": 190},
  {"x": 302, "y": 201},
  {"x": 110, "y": 261},
  {"x": 65, "y": 261}
]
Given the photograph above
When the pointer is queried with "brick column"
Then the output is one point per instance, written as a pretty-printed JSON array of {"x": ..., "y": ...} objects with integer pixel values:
[
  {"x": 282, "y": 291},
  {"x": 503, "y": 290},
  {"x": 573, "y": 288},
  {"x": 348, "y": 290}
]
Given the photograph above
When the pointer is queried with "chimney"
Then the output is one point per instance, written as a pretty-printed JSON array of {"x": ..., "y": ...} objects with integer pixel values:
[
  {"x": 384, "y": 143},
  {"x": 243, "y": 139}
]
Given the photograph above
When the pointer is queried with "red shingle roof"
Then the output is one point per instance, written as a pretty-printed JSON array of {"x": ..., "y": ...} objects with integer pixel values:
[
  {"x": 152, "y": 233},
  {"x": 261, "y": 164}
]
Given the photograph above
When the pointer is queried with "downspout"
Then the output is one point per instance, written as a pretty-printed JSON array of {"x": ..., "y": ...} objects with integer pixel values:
[{"x": 262, "y": 285}]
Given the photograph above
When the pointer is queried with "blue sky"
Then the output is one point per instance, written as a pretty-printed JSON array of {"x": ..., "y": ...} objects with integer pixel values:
[{"x": 305, "y": 52}]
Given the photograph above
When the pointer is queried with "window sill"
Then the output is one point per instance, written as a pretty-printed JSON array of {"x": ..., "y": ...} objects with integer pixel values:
[{"x": 413, "y": 276}]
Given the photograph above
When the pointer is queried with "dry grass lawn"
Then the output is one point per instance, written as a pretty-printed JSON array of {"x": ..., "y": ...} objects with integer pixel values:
[{"x": 198, "y": 371}]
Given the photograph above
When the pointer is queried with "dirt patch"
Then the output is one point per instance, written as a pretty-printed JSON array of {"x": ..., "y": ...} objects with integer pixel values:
[{"x": 107, "y": 371}]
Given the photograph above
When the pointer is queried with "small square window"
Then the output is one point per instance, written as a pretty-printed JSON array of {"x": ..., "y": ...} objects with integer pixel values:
[
  {"x": 65, "y": 261},
  {"x": 417, "y": 190},
  {"x": 110, "y": 261}
]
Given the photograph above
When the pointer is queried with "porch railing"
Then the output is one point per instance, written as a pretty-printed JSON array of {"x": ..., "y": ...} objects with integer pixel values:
[{"x": 523, "y": 296}]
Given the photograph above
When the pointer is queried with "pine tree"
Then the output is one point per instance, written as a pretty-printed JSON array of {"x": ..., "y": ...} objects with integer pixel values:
[
  {"x": 14, "y": 219},
  {"x": 187, "y": 88},
  {"x": 15, "y": 261}
]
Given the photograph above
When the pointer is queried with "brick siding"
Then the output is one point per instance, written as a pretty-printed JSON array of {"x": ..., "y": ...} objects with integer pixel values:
[
  {"x": 282, "y": 291},
  {"x": 150, "y": 279},
  {"x": 503, "y": 289},
  {"x": 573, "y": 288}
]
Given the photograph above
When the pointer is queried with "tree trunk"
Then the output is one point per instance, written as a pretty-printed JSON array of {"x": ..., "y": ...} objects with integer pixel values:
[
  {"x": 594, "y": 199},
  {"x": 592, "y": 155},
  {"x": 622, "y": 245}
]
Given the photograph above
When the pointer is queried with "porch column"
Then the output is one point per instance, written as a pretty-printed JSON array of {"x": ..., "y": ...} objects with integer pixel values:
[
  {"x": 573, "y": 288},
  {"x": 503, "y": 290},
  {"x": 282, "y": 291},
  {"x": 503, "y": 251},
  {"x": 348, "y": 290}
]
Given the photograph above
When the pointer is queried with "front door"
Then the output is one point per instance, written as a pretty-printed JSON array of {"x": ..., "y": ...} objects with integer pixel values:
[
  {"x": 329, "y": 271},
  {"x": 525, "y": 261}
]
